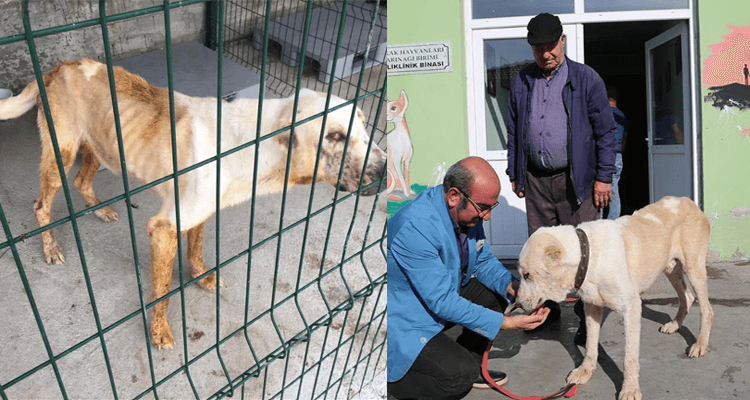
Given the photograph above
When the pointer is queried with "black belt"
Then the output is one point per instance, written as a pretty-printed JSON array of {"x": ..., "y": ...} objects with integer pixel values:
[{"x": 538, "y": 172}]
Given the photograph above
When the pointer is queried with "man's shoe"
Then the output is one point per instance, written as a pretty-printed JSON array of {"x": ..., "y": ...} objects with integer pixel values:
[{"x": 499, "y": 377}]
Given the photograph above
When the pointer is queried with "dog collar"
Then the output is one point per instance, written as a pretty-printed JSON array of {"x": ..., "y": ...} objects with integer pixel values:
[{"x": 583, "y": 267}]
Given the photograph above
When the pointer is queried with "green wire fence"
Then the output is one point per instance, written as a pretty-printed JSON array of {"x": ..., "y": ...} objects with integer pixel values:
[
  {"x": 304, "y": 312},
  {"x": 363, "y": 29}
]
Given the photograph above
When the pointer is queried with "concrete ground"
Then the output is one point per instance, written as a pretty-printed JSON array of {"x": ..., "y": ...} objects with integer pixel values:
[
  {"x": 62, "y": 296},
  {"x": 538, "y": 363}
]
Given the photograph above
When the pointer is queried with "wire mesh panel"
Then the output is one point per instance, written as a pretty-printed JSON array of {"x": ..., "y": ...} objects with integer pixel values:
[
  {"x": 299, "y": 305},
  {"x": 357, "y": 40}
]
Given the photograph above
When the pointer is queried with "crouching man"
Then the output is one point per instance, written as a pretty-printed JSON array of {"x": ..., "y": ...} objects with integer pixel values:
[{"x": 441, "y": 273}]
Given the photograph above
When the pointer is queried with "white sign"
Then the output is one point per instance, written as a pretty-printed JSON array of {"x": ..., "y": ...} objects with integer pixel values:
[{"x": 422, "y": 58}]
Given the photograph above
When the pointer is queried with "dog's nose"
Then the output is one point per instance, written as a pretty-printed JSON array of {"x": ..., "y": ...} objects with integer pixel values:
[
  {"x": 375, "y": 186},
  {"x": 374, "y": 176}
]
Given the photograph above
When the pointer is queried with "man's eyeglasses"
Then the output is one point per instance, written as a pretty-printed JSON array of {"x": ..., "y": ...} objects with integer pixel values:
[{"x": 480, "y": 209}]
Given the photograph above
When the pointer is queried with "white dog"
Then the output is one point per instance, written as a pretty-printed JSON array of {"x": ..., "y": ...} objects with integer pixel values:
[{"x": 624, "y": 258}]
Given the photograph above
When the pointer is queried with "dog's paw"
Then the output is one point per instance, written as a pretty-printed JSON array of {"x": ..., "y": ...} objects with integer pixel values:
[
  {"x": 162, "y": 338},
  {"x": 209, "y": 282},
  {"x": 580, "y": 375},
  {"x": 670, "y": 327},
  {"x": 630, "y": 394},
  {"x": 698, "y": 349},
  {"x": 53, "y": 254},
  {"x": 107, "y": 214}
]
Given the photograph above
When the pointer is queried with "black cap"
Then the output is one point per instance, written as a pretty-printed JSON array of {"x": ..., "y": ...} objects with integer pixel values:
[{"x": 544, "y": 28}]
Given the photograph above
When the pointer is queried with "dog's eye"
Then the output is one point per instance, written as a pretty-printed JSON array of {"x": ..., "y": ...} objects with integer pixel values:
[
  {"x": 526, "y": 276},
  {"x": 336, "y": 135}
]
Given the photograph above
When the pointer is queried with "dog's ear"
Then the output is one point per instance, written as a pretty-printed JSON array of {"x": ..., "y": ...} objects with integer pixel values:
[
  {"x": 361, "y": 116},
  {"x": 283, "y": 140},
  {"x": 284, "y": 121},
  {"x": 552, "y": 254}
]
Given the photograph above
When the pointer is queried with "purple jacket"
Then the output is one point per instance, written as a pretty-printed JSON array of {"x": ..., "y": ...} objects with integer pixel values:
[{"x": 592, "y": 145}]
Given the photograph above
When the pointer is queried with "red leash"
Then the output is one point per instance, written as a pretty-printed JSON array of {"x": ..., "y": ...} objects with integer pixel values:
[{"x": 567, "y": 391}]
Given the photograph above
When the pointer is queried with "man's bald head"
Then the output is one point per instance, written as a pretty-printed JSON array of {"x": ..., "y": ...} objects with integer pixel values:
[
  {"x": 468, "y": 171},
  {"x": 470, "y": 175},
  {"x": 485, "y": 176}
]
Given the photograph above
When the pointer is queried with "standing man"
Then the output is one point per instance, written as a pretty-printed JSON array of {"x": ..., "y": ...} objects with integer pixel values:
[
  {"x": 621, "y": 121},
  {"x": 561, "y": 136},
  {"x": 441, "y": 273},
  {"x": 746, "y": 72}
]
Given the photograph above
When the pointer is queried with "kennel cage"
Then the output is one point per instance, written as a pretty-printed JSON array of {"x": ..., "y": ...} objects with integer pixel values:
[{"x": 354, "y": 34}]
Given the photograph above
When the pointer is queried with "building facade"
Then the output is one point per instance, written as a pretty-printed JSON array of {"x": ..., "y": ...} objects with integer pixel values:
[{"x": 451, "y": 62}]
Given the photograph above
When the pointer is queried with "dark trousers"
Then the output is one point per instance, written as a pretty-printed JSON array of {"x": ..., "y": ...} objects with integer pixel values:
[
  {"x": 551, "y": 201},
  {"x": 446, "y": 369}
]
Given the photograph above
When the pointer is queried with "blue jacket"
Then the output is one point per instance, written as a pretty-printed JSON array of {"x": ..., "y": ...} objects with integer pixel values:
[
  {"x": 592, "y": 145},
  {"x": 423, "y": 279}
]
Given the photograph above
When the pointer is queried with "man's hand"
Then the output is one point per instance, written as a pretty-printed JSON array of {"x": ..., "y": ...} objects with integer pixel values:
[
  {"x": 602, "y": 194},
  {"x": 520, "y": 194},
  {"x": 525, "y": 322}
]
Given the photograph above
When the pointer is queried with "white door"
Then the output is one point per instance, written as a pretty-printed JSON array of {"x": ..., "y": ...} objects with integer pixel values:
[
  {"x": 669, "y": 114},
  {"x": 496, "y": 57}
]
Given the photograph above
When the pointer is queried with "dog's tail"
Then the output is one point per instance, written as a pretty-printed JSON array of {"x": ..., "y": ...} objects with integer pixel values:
[{"x": 14, "y": 107}]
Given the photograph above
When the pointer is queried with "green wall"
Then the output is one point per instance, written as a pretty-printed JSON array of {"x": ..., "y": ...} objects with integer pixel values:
[
  {"x": 437, "y": 112},
  {"x": 724, "y": 49}
]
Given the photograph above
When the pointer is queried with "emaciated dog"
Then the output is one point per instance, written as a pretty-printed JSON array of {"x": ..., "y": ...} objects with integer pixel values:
[{"x": 81, "y": 106}]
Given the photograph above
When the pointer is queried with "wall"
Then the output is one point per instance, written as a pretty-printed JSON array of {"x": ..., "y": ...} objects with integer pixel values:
[
  {"x": 127, "y": 37},
  {"x": 724, "y": 49},
  {"x": 437, "y": 110}
]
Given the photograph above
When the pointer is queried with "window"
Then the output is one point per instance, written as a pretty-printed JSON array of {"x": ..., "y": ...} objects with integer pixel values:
[
  {"x": 632, "y": 5},
  {"x": 514, "y": 8}
]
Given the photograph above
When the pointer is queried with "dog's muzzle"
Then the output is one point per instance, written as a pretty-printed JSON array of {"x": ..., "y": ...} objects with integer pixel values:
[
  {"x": 372, "y": 180},
  {"x": 374, "y": 175}
]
